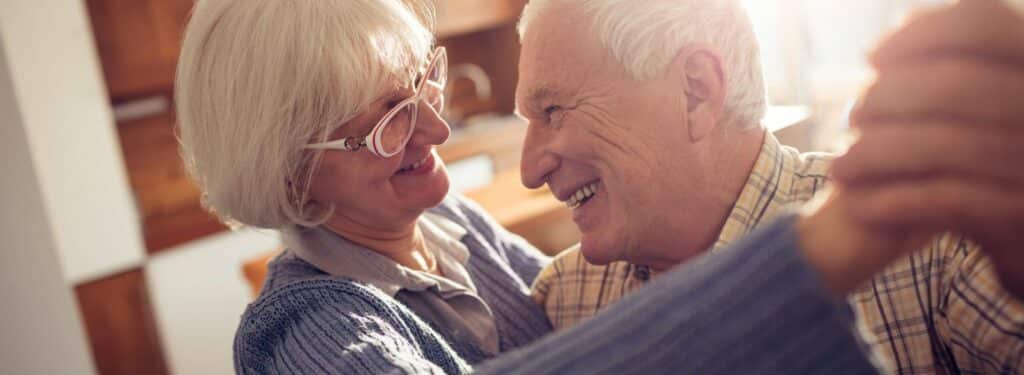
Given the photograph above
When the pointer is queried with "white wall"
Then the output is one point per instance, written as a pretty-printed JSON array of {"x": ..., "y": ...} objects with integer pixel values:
[
  {"x": 41, "y": 333},
  {"x": 71, "y": 136},
  {"x": 198, "y": 294}
]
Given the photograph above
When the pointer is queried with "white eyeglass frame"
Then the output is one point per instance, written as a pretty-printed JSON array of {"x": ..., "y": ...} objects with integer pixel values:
[{"x": 372, "y": 141}]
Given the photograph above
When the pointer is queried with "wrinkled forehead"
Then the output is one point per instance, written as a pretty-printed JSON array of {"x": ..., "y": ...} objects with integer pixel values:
[{"x": 560, "y": 53}]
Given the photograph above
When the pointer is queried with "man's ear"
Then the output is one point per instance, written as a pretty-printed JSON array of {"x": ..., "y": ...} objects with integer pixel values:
[{"x": 700, "y": 70}]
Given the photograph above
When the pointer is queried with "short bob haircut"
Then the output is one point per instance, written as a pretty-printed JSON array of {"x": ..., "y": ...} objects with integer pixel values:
[{"x": 257, "y": 80}]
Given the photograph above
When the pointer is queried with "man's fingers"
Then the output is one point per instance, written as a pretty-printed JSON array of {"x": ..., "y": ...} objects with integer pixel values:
[
  {"x": 946, "y": 89},
  {"x": 890, "y": 152},
  {"x": 987, "y": 212},
  {"x": 985, "y": 29}
]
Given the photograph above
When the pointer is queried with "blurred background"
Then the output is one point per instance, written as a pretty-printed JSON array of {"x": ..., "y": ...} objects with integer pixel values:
[{"x": 110, "y": 264}]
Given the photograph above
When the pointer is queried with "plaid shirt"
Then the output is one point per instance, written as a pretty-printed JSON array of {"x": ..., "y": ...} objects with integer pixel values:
[{"x": 940, "y": 310}]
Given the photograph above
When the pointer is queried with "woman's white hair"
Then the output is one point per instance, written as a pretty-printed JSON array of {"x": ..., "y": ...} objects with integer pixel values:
[
  {"x": 257, "y": 80},
  {"x": 645, "y": 36}
]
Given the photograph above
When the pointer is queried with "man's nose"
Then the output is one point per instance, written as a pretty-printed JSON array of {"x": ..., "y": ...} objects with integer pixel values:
[
  {"x": 431, "y": 129},
  {"x": 538, "y": 162}
]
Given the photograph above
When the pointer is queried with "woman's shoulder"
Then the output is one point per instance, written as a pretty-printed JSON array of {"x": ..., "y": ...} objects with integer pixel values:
[
  {"x": 307, "y": 319},
  {"x": 295, "y": 284},
  {"x": 296, "y": 289},
  {"x": 295, "y": 295},
  {"x": 297, "y": 301}
]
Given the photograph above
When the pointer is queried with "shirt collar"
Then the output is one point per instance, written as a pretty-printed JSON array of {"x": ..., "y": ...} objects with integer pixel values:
[{"x": 338, "y": 256}]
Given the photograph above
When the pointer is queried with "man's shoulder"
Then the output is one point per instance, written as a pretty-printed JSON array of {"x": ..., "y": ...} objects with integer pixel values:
[
  {"x": 809, "y": 164},
  {"x": 809, "y": 172},
  {"x": 951, "y": 278}
]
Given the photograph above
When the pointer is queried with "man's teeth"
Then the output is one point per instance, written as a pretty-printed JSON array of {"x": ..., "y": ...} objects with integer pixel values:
[
  {"x": 576, "y": 199},
  {"x": 414, "y": 165}
]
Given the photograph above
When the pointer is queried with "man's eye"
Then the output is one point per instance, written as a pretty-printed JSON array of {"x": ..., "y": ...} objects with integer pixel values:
[{"x": 552, "y": 110}]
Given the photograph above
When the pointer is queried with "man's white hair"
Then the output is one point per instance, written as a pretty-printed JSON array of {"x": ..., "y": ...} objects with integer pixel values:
[
  {"x": 257, "y": 80},
  {"x": 645, "y": 36}
]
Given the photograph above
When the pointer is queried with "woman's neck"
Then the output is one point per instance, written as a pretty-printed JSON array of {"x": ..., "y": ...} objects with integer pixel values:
[{"x": 403, "y": 244}]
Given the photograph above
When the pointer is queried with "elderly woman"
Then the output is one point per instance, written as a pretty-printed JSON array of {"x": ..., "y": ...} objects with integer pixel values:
[{"x": 319, "y": 118}]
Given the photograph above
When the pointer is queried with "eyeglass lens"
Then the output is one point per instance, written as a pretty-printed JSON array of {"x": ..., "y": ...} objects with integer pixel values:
[
  {"x": 433, "y": 88},
  {"x": 400, "y": 127}
]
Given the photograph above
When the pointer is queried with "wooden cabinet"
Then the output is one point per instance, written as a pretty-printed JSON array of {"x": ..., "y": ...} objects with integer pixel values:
[
  {"x": 121, "y": 326},
  {"x": 138, "y": 42}
]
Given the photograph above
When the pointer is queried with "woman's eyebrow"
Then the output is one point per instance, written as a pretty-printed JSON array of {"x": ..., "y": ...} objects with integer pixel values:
[{"x": 382, "y": 104}]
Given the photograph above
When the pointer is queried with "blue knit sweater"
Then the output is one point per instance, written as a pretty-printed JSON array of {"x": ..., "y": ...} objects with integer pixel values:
[{"x": 768, "y": 316}]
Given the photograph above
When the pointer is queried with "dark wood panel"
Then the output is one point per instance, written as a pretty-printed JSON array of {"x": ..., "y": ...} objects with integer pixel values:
[
  {"x": 456, "y": 17},
  {"x": 167, "y": 199},
  {"x": 121, "y": 326},
  {"x": 166, "y": 231},
  {"x": 138, "y": 42}
]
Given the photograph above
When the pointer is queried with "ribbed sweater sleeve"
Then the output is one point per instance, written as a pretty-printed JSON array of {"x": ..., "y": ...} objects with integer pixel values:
[
  {"x": 524, "y": 259},
  {"x": 756, "y": 307}
]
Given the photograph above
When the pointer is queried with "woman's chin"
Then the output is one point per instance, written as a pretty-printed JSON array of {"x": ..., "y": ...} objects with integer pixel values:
[{"x": 429, "y": 193}]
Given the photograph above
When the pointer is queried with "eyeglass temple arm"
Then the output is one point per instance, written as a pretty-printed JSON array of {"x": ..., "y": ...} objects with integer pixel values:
[{"x": 345, "y": 144}]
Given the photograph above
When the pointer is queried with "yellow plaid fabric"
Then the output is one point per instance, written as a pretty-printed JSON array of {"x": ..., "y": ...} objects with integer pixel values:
[{"x": 940, "y": 310}]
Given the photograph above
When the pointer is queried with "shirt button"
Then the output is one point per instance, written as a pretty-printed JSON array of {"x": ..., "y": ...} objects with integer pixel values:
[{"x": 642, "y": 273}]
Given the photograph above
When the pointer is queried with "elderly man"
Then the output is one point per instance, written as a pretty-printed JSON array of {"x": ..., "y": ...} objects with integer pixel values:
[{"x": 645, "y": 121}]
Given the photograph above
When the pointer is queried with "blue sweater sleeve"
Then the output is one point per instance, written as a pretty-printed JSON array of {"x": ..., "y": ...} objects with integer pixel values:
[
  {"x": 524, "y": 259},
  {"x": 755, "y": 307}
]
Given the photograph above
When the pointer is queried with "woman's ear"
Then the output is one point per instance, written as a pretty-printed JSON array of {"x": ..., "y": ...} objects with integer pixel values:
[{"x": 700, "y": 70}]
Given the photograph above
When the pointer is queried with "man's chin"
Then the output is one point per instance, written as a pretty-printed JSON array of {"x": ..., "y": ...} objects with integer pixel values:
[{"x": 596, "y": 254}]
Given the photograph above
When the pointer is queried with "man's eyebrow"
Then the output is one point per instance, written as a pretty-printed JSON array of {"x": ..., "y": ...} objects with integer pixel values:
[
  {"x": 542, "y": 93},
  {"x": 535, "y": 97}
]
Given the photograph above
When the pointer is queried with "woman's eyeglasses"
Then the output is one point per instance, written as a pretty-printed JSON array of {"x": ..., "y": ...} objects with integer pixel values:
[{"x": 393, "y": 131}]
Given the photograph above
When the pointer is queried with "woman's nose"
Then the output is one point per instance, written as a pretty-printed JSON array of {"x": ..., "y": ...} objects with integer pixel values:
[{"x": 431, "y": 129}]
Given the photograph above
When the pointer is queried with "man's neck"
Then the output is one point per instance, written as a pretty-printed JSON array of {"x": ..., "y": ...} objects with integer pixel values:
[{"x": 734, "y": 161}]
